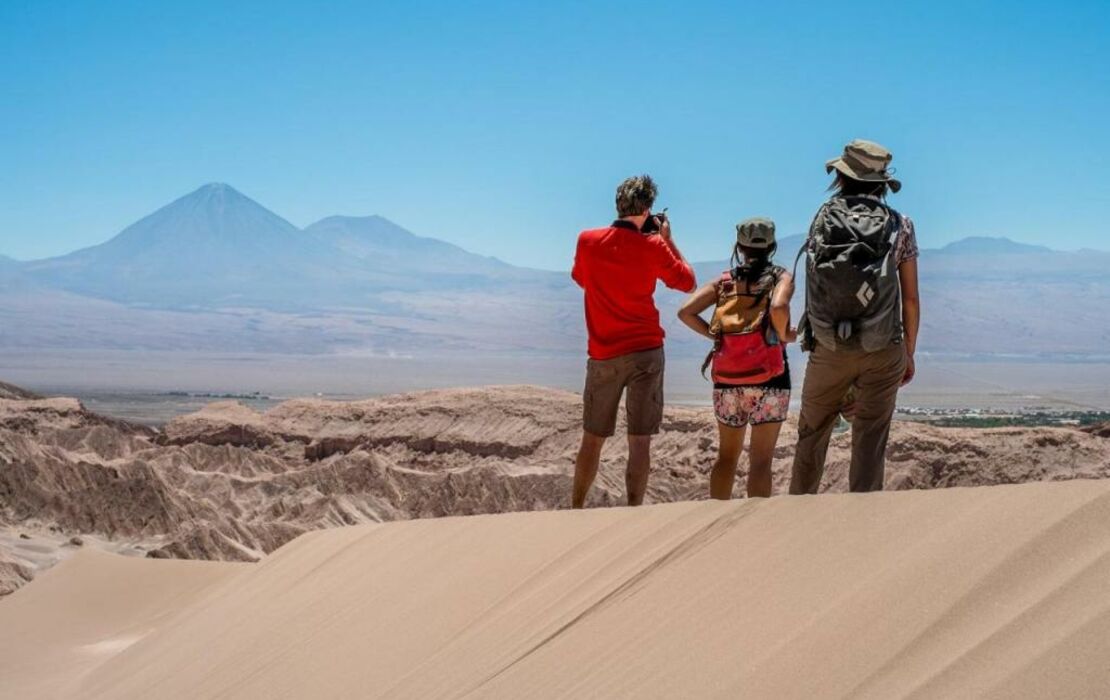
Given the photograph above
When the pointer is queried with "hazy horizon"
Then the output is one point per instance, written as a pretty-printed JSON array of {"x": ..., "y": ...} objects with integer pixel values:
[
  {"x": 373, "y": 215},
  {"x": 138, "y": 386}
]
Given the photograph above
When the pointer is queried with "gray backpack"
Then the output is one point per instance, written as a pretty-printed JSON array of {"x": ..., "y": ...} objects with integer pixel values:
[{"x": 853, "y": 300}]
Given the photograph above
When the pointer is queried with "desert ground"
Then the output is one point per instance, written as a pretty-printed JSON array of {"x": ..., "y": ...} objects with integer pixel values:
[
  {"x": 316, "y": 549},
  {"x": 228, "y": 482}
]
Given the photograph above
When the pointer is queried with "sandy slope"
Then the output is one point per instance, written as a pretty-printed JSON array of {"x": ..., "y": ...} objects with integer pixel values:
[
  {"x": 993, "y": 592},
  {"x": 87, "y": 610}
]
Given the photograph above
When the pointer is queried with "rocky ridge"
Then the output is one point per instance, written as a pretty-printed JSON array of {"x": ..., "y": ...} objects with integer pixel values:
[
  {"x": 230, "y": 483},
  {"x": 1099, "y": 429},
  {"x": 10, "y": 391}
]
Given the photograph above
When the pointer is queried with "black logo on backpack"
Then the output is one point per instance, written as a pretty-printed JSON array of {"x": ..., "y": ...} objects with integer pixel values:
[{"x": 853, "y": 299}]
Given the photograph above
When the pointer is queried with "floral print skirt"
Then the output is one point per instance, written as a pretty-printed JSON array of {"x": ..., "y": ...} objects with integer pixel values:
[{"x": 737, "y": 406}]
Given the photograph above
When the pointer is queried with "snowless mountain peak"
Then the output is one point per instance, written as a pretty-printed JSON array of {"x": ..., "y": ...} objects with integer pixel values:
[{"x": 992, "y": 245}]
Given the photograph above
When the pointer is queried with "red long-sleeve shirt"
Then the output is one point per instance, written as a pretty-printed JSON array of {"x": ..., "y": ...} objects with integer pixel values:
[{"x": 618, "y": 267}]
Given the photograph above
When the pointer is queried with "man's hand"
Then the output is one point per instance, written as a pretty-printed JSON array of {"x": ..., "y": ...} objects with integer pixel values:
[
  {"x": 664, "y": 227},
  {"x": 911, "y": 369}
]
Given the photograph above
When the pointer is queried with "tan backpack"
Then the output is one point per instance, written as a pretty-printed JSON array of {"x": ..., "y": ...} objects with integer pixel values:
[
  {"x": 745, "y": 350},
  {"x": 739, "y": 310}
]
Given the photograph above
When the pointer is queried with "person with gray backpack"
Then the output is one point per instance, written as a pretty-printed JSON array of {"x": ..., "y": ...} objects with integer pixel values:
[{"x": 861, "y": 319}]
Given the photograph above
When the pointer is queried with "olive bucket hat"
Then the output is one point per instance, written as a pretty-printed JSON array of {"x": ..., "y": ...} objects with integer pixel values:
[
  {"x": 866, "y": 161},
  {"x": 758, "y": 233}
]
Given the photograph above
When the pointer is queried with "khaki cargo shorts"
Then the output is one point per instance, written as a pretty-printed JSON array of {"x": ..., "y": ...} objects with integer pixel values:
[{"x": 606, "y": 380}]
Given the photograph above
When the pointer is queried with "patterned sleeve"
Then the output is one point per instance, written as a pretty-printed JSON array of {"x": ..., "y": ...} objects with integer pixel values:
[{"x": 906, "y": 247}]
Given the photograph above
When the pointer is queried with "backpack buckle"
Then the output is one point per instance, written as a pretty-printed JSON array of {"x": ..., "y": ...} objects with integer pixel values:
[{"x": 844, "y": 330}]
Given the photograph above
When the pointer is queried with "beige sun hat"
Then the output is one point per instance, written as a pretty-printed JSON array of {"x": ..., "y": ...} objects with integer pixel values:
[
  {"x": 756, "y": 232},
  {"x": 866, "y": 161}
]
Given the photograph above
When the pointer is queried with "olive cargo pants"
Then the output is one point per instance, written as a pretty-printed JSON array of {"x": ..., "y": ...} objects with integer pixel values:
[{"x": 829, "y": 375}]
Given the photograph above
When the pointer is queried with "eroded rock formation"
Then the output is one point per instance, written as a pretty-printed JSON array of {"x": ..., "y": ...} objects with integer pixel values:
[{"x": 230, "y": 483}]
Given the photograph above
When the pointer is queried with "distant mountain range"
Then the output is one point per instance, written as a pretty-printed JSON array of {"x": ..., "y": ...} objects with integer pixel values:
[
  {"x": 216, "y": 247},
  {"x": 387, "y": 247},
  {"x": 215, "y": 270},
  {"x": 984, "y": 245}
]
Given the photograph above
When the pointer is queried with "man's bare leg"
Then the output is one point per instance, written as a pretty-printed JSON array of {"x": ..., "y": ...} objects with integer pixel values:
[
  {"x": 585, "y": 467},
  {"x": 639, "y": 466}
]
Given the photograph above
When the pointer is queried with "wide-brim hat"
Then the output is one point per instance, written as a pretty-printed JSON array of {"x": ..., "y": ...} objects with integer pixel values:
[
  {"x": 757, "y": 232},
  {"x": 866, "y": 161}
]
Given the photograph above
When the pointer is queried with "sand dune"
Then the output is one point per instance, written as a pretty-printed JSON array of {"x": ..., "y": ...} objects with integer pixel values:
[
  {"x": 87, "y": 610},
  {"x": 995, "y": 592}
]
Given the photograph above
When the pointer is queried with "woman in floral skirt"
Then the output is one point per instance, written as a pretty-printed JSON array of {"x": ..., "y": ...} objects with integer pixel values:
[{"x": 737, "y": 404}]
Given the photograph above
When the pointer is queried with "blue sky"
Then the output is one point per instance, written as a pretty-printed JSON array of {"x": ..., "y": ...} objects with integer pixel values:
[{"x": 504, "y": 127}]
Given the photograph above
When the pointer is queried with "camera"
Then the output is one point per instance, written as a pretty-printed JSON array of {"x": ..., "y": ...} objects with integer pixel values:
[{"x": 654, "y": 222}]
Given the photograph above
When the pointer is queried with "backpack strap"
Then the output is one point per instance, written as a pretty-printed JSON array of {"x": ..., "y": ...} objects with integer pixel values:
[
  {"x": 777, "y": 273},
  {"x": 809, "y": 239},
  {"x": 803, "y": 320},
  {"x": 776, "y": 277},
  {"x": 709, "y": 357},
  {"x": 764, "y": 296},
  {"x": 723, "y": 283},
  {"x": 727, "y": 278},
  {"x": 798, "y": 257}
]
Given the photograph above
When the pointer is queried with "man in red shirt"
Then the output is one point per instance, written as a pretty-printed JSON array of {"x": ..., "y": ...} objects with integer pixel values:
[{"x": 618, "y": 267}]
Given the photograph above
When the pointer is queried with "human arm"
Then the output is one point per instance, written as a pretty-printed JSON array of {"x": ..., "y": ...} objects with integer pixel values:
[
  {"x": 780, "y": 308},
  {"x": 675, "y": 272},
  {"x": 690, "y": 312},
  {"x": 911, "y": 314}
]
